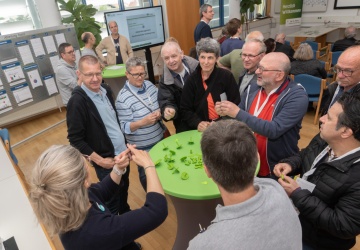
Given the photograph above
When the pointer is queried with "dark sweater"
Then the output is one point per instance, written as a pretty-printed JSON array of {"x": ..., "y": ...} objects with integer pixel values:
[
  {"x": 104, "y": 230},
  {"x": 343, "y": 44},
  {"x": 202, "y": 30},
  {"x": 194, "y": 105},
  {"x": 310, "y": 67}
]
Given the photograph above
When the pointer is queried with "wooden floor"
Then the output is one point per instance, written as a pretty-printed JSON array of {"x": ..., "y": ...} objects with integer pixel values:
[{"x": 27, "y": 153}]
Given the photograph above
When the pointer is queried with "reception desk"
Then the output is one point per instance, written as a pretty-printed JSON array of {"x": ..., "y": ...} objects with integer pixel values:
[
  {"x": 17, "y": 218},
  {"x": 114, "y": 75},
  {"x": 195, "y": 198}
]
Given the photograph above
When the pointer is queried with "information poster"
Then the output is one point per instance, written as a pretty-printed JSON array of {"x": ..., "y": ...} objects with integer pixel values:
[
  {"x": 13, "y": 72},
  {"x": 290, "y": 13},
  {"x": 22, "y": 94},
  {"x": 5, "y": 104},
  {"x": 50, "y": 84}
]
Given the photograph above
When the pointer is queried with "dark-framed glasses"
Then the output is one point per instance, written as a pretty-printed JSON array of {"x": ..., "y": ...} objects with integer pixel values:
[
  {"x": 249, "y": 55},
  {"x": 346, "y": 72},
  {"x": 138, "y": 75},
  {"x": 262, "y": 69}
]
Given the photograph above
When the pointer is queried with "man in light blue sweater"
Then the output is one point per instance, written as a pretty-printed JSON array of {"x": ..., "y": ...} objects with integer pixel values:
[{"x": 257, "y": 214}]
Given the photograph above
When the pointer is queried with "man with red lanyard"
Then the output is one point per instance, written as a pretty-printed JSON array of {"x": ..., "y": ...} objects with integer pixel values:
[{"x": 273, "y": 108}]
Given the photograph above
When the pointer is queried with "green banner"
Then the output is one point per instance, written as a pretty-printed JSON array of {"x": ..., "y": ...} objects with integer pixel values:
[{"x": 290, "y": 14}]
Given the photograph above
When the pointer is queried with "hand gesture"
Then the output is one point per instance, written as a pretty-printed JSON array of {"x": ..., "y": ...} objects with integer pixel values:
[
  {"x": 282, "y": 168},
  {"x": 227, "y": 108},
  {"x": 150, "y": 119},
  {"x": 202, "y": 126},
  {"x": 288, "y": 184},
  {"x": 169, "y": 113},
  {"x": 122, "y": 160},
  {"x": 140, "y": 157}
]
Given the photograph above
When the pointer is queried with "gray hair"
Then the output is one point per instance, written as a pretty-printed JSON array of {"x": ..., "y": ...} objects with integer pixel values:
[
  {"x": 89, "y": 59},
  {"x": 304, "y": 52},
  {"x": 170, "y": 44},
  {"x": 260, "y": 43},
  {"x": 208, "y": 45},
  {"x": 112, "y": 21},
  {"x": 203, "y": 8},
  {"x": 255, "y": 35},
  {"x": 133, "y": 62},
  {"x": 350, "y": 32}
]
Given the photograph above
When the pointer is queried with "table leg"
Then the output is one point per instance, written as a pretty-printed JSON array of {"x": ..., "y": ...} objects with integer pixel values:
[{"x": 191, "y": 213}]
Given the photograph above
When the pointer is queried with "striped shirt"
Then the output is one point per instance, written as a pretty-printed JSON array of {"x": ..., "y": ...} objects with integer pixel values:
[{"x": 130, "y": 109}]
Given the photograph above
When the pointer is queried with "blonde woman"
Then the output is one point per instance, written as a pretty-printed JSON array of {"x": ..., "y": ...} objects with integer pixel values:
[{"x": 68, "y": 204}]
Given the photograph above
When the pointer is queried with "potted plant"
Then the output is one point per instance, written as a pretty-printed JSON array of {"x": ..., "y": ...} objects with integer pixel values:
[
  {"x": 82, "y": 18},
  {"x": 245, "y": 7}
]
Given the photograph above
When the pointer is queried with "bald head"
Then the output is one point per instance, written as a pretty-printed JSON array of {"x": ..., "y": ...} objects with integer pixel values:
[
  {"x": 349, "y": 60},
  {"x": 280, "y": 38},
  {"x": 255, "y": 35},
  {"x": 88, "y": 37},
  {"x": 350, "y": 32},
  {"x": 172, "y": 56}
]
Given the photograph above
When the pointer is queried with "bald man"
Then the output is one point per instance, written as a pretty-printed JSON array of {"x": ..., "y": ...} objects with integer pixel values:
[
  {"x": 177, "y": 68},
  {"x": 349, "y": 40},
  {"x": 281, "y": 46},
  {"x": 273, "y": 108},
  {"x": 117, "y": 47},
  {"x": 89, "y": 40}
]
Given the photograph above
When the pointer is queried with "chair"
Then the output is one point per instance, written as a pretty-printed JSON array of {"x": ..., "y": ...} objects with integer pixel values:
[
  {"x": 323, "y": 53},
  {"x": 314, "y": 45},
  {"x": 332, "y": 59},
  {"x": 314, "y": 87},
  {"x": 5, "y": 137}
]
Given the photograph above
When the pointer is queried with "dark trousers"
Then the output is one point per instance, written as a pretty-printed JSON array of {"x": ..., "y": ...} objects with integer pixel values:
[{"x": 118, "y": 203}]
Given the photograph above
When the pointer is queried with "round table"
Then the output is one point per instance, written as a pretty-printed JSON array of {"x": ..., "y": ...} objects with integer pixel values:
[
  {"x": 114, "y": 75},
  {"x": 195, "y": 198}
]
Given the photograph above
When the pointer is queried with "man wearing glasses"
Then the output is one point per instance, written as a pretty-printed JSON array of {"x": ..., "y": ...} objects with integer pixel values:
[
  {"x": 65, "y": 72},
  {"x": 94, "y": 128},
  {"x": 273, "y": 108},
  {"x": 347, "y": 72}
]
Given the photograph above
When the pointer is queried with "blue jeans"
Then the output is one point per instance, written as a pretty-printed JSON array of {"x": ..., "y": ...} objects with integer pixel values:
[{"x": 118, "y": 203}]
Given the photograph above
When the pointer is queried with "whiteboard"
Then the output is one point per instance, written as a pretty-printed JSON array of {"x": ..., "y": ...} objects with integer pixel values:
[{"x": 308, "y": 6}]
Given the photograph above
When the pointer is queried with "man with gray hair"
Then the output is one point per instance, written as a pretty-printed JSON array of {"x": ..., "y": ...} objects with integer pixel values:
[
  {"x": 349, "y": 40},
  {"x": 252, "y": 207},
  {"x": 89, "y": 41},
  {"x": 243, "y": 62},
  {"x": 177, "y": 69},
  {"x": 281, "y": 46},
  {"x": 273, "y": 108},
  {"x": 203, "y": 29}
]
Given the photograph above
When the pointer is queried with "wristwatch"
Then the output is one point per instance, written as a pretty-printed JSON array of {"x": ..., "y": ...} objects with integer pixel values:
[{"x": 118, "y": 171}]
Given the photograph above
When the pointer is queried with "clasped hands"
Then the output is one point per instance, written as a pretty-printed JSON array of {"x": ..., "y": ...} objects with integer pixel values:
[{"x": 152, "y": 118}]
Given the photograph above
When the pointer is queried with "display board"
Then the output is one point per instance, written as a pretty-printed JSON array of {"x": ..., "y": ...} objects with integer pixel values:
[
  {"x": 27, "y": 64},
  {"x": 308, "y": 6}
]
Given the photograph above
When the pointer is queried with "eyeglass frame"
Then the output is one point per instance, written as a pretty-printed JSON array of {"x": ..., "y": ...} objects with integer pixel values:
[
  {"x": 69, "y": 52},
  {"x": 250, "y": 56},
  {"x": 336, "y": 69},
  {"x": 137, "y": 75},
  {"x": 262, "y": 69},
  {"x": 91, "y": 75}
]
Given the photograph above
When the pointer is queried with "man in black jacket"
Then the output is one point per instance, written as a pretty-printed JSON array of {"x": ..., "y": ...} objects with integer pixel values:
[
  {"x": 349, "y": 40},
  {"x": 93, "y": 127},
  {"x": 328, "y": 193}
]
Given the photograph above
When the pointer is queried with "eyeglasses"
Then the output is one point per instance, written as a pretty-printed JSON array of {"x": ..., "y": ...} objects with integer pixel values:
[
  {"x": 138, "y": 75},
  {"x": 262, "y": 69},
  {"x": 70, "y": 52},
  {"x": 249, "y": 56},
  {"x": 345, "y": 72},
  {"x": 91, "y": 75}
]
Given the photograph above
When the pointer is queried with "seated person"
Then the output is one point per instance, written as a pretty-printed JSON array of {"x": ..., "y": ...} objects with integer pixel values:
[
  {"x": 68, "y": 204},
  {"x": 306, "y": 64},
  {"x": 270, "y": 45},
  {"x": 281, "y": 46},
  {"x": 205, "y": 86},
  {"x": 349, "y": 40},
  {"x": 252, "y": 208},
  {"x": 177, "y": 69},
  {"x": 234, "y": 41},
  {"x": 328, "y": 193},
  {"x": 138, "y": 110}
]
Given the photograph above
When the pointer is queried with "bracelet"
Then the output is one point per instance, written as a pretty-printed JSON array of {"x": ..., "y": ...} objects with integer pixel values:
[
  {"x": 118, "y": 171},
  {"x": 148, "y": 167}
]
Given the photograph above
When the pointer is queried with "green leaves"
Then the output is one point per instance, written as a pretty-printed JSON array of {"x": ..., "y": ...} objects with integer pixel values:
[
  {"x": 82, "y": 18},
  {"x": 246, "y": 5}
]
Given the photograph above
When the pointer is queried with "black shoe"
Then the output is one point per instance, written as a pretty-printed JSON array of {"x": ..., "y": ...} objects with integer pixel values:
[{"x": 138, "y": 245}]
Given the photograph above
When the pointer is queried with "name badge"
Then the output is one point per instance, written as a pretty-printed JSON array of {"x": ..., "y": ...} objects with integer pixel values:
[{"x": 116, "y": 54}]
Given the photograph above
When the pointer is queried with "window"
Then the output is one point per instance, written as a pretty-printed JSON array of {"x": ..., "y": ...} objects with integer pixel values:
[
  {"x": 222, "y": 11},
  {"x": 111, "y": 5},
  {"x": 14, "y": 17}
]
